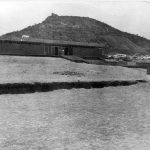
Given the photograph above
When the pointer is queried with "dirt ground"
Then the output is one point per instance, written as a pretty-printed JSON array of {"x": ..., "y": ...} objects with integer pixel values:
[
  {"x": 14, "y": 69},
  {"x": 112, "y": 118}
]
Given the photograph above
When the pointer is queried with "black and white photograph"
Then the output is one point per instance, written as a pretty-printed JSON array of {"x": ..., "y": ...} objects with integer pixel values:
[{"x": 74, "y": 74}]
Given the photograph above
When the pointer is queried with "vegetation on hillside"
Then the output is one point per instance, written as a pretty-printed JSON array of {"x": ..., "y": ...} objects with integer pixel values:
[{"x": 84, "y": 29}]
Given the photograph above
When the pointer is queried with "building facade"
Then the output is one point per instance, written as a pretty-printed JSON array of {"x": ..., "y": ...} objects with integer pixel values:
[{"x": 41, "y": 47}]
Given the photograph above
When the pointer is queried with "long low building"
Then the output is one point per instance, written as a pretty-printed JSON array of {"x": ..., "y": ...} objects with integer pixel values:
[{"x": 44, "y": 47}]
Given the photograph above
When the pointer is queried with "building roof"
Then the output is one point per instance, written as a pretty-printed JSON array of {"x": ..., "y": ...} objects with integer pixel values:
[{"x": 53, "y": 42}]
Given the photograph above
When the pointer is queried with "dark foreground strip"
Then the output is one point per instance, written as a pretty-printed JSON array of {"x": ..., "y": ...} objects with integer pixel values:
[{"x": 22, "y": 88}]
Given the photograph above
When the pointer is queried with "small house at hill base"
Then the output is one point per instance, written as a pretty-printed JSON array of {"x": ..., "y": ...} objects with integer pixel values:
[{"x": 43, "y": 47}]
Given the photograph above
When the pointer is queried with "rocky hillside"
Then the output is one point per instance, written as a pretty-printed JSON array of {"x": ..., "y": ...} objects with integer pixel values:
[{"x": 84, "y": 29}]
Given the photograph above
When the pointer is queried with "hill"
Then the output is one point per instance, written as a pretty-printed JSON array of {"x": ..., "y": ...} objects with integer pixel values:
[{"x": 84, "y": 29}]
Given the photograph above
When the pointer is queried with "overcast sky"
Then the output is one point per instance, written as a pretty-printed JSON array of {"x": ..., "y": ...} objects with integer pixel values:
[{"x": 127, "y": 15}]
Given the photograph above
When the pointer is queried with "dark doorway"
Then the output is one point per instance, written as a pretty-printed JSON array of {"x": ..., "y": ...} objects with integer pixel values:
[
  {"x": 56, "y": 51},
  {"x": 47, "y": 50},
  {"x": 70, "y": 51},
  {"x": 66, "y": 51}
]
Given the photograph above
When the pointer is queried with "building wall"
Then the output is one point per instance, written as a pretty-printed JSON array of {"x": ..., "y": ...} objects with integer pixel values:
[
  {"x": 31, "y": 49},
  {"x": 6, "y": 47},
  {"x": 36, "y": 49},
  {"x": 17, "y": 48},
  {"x": 86, "y": 52}
]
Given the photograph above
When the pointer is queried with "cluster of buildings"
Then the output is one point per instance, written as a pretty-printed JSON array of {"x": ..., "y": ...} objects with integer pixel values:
[
  {"x": 141, "y": 57},
  {"x": 115, "y": 56},
  {"x": 128, "y": 57}
]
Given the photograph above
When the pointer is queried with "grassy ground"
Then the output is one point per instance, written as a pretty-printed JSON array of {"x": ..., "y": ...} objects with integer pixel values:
[
  {"x": 39, "y": 69},
  {"x": 96, "y": 119},
  {"x": 113, "y": 118}
]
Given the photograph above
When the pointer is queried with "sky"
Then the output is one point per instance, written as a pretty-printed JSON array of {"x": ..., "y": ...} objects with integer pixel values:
[{"x": 131, "y": 16}]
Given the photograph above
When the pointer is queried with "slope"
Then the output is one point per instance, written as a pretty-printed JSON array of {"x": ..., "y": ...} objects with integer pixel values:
[{"x": 84, "y": 29}]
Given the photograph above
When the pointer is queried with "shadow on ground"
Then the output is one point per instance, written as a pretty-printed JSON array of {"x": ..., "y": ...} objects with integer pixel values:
[{"x": 22, "y": 88}]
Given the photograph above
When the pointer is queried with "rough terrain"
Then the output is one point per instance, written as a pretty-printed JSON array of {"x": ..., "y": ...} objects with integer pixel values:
[
  {"x": 79, "y": 119},
  {"x": 110, "y": 118},
  {"x": 15, "y": 69}
]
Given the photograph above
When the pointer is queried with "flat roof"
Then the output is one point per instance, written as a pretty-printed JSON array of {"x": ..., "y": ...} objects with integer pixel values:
[{"x": 52, "y": 42}]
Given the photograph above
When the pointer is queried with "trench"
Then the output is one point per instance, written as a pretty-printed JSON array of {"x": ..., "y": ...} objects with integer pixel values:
[{"x": 22, "y": 88}]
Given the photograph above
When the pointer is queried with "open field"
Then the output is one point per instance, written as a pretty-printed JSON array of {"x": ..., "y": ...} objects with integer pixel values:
[
  {"x": 112, "y": 118},
  {"x": 38, "y": 69},
  {"x": 79, "y": 119}
]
